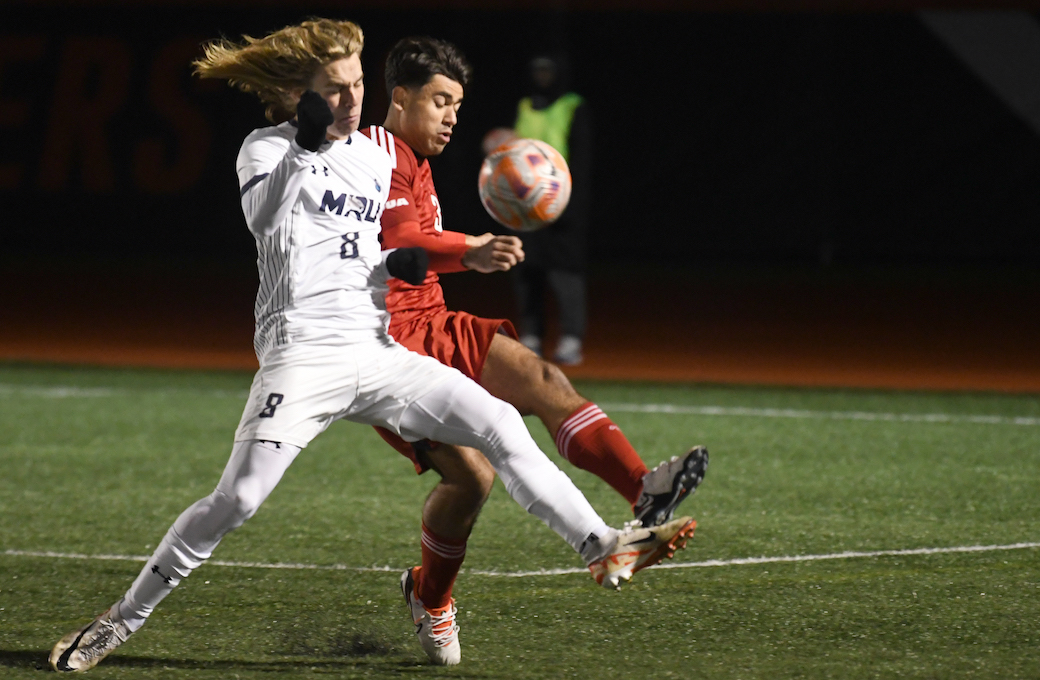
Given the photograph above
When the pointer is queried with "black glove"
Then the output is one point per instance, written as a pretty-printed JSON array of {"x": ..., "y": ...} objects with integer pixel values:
[
  {"x": 313, "y": 117},
  {"x": 408, "y": 264}
]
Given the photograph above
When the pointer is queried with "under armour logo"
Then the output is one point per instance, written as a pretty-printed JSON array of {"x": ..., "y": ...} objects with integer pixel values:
[
  {"x": 164, "y": 577},
  {"x": 592, "y": 538}
]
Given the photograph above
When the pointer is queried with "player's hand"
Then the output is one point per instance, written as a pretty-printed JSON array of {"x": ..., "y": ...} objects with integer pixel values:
[
  {"x": 408, "y": 264},
  {"x": 313, "y": 117},
  {"x": 489, "y": 253}
]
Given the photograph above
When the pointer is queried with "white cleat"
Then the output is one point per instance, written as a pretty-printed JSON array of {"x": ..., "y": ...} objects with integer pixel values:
[
  {"x": 640, "y": 547},
  {"x": 82, "y": 649},
  {"x": 438, "y": 633}
]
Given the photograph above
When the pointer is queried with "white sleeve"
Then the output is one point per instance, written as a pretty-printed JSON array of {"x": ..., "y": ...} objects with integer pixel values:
[
  {"x": 270, "y": 174},
  {"x": 380, "y": 274}
]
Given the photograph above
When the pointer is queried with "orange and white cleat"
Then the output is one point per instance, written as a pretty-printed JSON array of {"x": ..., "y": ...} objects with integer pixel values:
[
  {"x": 640, "y": 547},
  {"x": 437, "y": 630}
]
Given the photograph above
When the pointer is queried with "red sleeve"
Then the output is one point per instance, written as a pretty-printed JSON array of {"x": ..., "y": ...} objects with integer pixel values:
[
  {"x": 445, "y": 248},
  {"x": 404, "y": 227}
]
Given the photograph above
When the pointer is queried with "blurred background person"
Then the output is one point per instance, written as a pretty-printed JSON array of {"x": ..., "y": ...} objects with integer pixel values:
[{"x": 557, "y": 255}]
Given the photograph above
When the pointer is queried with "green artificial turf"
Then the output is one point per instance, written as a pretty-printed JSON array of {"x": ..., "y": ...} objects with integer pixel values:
[{"x": 99, "y": 462}]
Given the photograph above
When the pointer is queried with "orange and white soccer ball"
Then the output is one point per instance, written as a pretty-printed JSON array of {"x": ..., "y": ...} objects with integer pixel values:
[{"x": 525, "y": 184}]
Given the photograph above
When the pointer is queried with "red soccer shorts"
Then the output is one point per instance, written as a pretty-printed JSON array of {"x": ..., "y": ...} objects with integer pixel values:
[{"x": 455, "y": 339}]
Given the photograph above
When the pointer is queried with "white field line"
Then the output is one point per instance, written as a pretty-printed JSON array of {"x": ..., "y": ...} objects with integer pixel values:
[
  {"x": 741, "y": 411},
  {"x": 740, "y": 561},
  {"x": 64, "y": 392},
  {"x": 68, "y": 392},
  {"x": 55, "y": 392}
]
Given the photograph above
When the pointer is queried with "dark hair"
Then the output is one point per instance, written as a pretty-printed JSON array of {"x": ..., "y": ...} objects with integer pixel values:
[{"x": 413, "y": 62}]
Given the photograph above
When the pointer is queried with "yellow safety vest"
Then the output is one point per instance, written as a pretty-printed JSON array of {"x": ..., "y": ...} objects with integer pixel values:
[{"x": 552, "y": 124}]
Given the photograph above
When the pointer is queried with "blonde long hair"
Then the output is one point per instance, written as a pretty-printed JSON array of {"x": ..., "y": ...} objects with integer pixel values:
[{"x": 273, "y": 66}]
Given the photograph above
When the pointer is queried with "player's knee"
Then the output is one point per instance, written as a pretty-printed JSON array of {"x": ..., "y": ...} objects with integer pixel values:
[
  {"x": 553, "y": 378},
  {"x": 472, "y": 496},
  {"x": 239, "y": 503},
  {"x": 550, "y": 373},
  {"x": 468, "y": 472}
]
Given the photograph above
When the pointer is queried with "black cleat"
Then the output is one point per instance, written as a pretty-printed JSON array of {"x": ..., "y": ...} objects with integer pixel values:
[{"x": 668, "y": 485}]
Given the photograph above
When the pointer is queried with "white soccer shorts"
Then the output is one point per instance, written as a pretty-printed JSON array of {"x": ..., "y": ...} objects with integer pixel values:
[{"x": 302, "y": 389}]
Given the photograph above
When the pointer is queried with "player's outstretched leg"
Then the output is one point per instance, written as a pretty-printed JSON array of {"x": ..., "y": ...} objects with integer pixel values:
[
  {"x": 436, "y": 627},
  {"x": 640, "y": 547},
  {"x": 584, "y": 435},
  {"x": 460, "y": 412},
  {"x": 668, "y": 484},
  {"x": 252, "y": 472}
]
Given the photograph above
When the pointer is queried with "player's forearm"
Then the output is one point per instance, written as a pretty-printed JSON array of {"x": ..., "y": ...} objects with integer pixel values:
[
  {"x": 446, "y": 263},
  {"x": 442, "y": 247},
  {"x": 268, "y": 198},
  {"x": 448, "y": 258}
]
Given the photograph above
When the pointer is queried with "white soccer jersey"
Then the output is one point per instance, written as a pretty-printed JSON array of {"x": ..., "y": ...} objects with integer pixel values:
[{"x": 315, "y": 217}]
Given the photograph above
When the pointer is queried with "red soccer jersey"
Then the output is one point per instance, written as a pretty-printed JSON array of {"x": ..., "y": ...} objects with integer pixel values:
[{"x": 412, "y": 217}]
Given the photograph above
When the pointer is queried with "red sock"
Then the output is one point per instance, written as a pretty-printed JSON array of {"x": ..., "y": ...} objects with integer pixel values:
[
  {"x": 441, "y": 560},
  {"x": 591, "y": 441}
]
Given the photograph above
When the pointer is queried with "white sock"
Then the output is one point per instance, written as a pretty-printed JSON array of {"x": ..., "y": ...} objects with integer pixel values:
[{"x": 252, "y": 472}]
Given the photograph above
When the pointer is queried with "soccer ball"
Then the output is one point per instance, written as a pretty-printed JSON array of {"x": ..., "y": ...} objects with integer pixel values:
[
  {"x": 496, "y": 138},
  {"x": 525, "y": 184}
]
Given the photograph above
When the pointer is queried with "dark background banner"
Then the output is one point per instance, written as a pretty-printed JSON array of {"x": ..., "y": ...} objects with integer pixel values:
[{"x": 748, "y": 137}]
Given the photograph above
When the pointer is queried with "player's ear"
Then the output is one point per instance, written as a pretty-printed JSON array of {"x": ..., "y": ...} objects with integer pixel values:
[{"x": 399, "y": 97}]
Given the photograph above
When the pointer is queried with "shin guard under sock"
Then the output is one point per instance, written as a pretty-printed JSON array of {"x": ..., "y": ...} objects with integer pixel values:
[{"x": 591, "y": 441}]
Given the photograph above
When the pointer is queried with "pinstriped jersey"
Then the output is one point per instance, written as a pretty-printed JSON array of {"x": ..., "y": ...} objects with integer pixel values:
[
  {"x": 315, "y": 218},
  {"x": 413, "y": 218}
]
